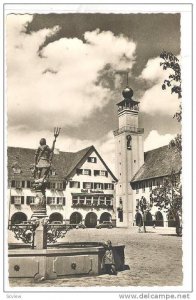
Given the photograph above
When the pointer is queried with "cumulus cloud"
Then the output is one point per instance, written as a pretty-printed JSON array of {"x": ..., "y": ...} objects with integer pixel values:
[
  {"x": 58, "y": 85},
  {"x": 156, "y": 140},
  {"x": 155, "y": 100}
]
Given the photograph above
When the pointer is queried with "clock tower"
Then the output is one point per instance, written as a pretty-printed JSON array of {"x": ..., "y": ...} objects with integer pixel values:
[{"x": 129, "y": 156}]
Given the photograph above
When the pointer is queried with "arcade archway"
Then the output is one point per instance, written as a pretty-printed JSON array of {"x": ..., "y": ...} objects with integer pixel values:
[
  {"x": 75, "y": 218},
  {"x": 171, "y": 220},
  {"x": 159, "y": 219},
  {"x": 91, "y": 220},
  {"x": 105, "y": 217},
  {"x": 56, "y": 217},
  {"x": 138, "y": 219},
  {"x": 18, "y": 218},
  {"x": 148, "y": 219}
]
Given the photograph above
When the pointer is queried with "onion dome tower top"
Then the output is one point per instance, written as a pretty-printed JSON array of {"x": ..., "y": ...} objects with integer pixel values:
[{"x": 128, "y": 102}]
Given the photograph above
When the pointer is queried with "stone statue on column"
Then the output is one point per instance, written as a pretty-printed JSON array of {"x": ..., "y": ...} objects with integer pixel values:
[{"x": 41, "y": 172}]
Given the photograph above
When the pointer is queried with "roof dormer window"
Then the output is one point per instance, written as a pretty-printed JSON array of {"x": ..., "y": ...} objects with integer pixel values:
[
  {"x": 53, "y": 172},
  {"x": 92, "y": 159},
  {"x": 16, "y": 168}
]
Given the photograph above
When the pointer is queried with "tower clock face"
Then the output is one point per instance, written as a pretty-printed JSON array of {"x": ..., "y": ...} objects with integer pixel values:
[{"x": 129, "y": 139}]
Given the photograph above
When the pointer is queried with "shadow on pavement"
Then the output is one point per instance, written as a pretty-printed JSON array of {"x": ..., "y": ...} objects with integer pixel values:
[
  {"x": 126, "y": 267},
  {"x": 168, "y": 234}
]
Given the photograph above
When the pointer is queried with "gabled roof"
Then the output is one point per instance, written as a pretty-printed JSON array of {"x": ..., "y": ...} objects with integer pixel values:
[
  {"x": 65, "y": 163},
  {"x": 82, "y": 160},
  {"x": 158, "y": 163}
]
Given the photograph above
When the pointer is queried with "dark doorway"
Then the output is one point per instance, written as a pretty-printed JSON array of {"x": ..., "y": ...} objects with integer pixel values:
[
  {"x": 18, "y": 218},
  {"x": 75, "y": 218},
  {"x": 105, "y": 217},
  {"x": 171, "y": 221},
  {"x": 148, "y": 219},
  {"x": 159, "y": 219},
  {"x": 56, "y": 217},
  {"x": 138, "y": 219},
  {"x": 91, "y": 220}
]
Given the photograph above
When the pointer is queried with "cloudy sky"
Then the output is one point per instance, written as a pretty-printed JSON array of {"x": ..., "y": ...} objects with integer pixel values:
[{"x": 67, "y": 70}]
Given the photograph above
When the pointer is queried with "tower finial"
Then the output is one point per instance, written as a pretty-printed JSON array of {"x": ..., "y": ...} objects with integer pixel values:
[
  {"x": 127, "y": 78},
  {"x": 127, "y": 92}
]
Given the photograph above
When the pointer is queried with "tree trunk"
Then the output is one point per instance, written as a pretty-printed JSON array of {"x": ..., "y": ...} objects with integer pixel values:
[{"x": 144, "y": 227}]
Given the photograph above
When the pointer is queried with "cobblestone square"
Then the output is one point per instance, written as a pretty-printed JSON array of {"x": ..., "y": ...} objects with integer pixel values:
[{"x": 154, "y": 259}]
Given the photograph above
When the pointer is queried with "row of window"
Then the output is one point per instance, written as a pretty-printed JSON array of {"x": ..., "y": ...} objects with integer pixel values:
[
  {"x": 19, "y": 200},
  {"x": 92, "y": 200},
  {"x": 89, "y": 200},
  {"x": 59, "y": 185},
  {"x": 95, "y": 172},
  {"x": 148, "y": 184},
  {"x": 91, "y": 185},
  {"x": 17, "y": 170}
]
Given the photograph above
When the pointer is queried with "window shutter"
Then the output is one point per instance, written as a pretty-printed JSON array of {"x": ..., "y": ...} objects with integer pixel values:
[
  {"x": 13, "y": 183},
  {"x": 12, "y": 199},
  {"x": 28, "y": 201},
  {"x": 79, "y": 171},
  {"x": 48, "y": 200},
  {"x": 91, "y": 185},
  {"x": 101, "y": 186},
  {"x": 23, "y": 184},
  {"x": 106, "y": 173},
  {"x": 78, "y": 184},
  {"x": 28, "y": 184},
  {"x": 63, "y": 200},
  {"x": 22, "y": 199},
  {"x": 57, "y": 200},
  {"x": 64, "y": 185},
  {"x": 89, "y": 172},
  {"x": 84, "y": 185},
  {"x": 96, "y": 172},
  {"x": 112, "y": 186}
]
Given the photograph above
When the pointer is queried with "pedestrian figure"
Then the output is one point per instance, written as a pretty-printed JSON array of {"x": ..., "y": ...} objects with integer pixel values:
[
  {"x": 154, "y": 221},
  {"x": 108, "y": 259},
  {"x": 139, "y": 228}
]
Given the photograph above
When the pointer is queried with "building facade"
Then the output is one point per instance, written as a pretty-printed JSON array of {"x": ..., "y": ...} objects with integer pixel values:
[
  {"x": 81, "y": 187},
  {"x": 158, "y": 164}
]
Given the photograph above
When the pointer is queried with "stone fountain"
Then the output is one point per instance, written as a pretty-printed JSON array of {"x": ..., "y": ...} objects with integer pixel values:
[{"x": 41, "y": 256}]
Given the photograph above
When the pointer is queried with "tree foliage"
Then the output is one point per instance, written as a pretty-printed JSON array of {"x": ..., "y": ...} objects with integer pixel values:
[
  {"x": 171, "y": 62},
  {"x": 169, "y": 196},
  {"x": 176, "y": 143},
  {"x": 174, "y": 81}
]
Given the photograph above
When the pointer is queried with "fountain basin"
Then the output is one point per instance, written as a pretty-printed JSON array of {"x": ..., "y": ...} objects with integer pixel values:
[{"x": 61, "y": 259}]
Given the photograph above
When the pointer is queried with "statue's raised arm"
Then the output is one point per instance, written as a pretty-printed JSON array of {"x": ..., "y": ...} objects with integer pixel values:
[{"x": 56, "y": 134}]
